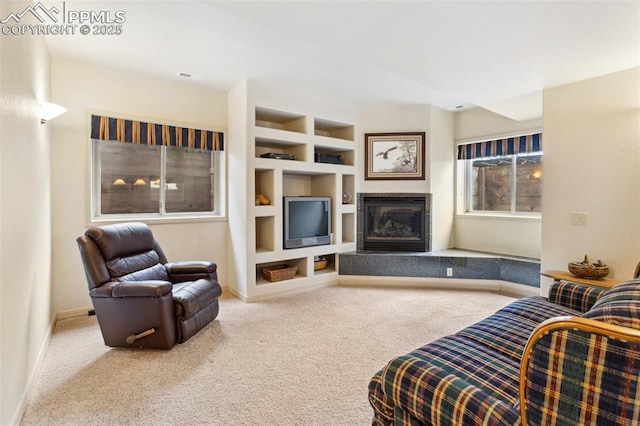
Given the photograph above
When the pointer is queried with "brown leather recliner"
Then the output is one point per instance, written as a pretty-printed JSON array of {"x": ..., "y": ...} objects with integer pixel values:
[{"x": 140, "y": 299}]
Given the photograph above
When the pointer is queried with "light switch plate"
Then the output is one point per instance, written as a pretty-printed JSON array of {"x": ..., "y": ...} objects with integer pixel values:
[{"x": 580, "y": 218}]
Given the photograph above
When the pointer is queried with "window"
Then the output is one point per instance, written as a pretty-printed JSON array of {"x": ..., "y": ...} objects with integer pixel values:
[
  {"x": 505, "y": 184},
  {"x": 136, "y": 180},
  {"x": 503, "y": 176}
]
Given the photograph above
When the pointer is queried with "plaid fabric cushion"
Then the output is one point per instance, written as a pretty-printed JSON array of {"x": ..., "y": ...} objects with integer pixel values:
[
  {"x": 402, "y": 418},
  {"x": 382, "y": 407},
  {"x": 575, "y": 377},
  {"x": 536, "y": 309},
  {"x": 426, "y": 393},
  {"x": 628, "y": 290},
  {"x": 489, "y": 378},
  {"x": 508, "y": 330},
  {"x": 619, "y": 305},
  {"x": 505, "y": 333},
  {"x": 476, "y": 364},
  {"x": 579, "y": 297}
]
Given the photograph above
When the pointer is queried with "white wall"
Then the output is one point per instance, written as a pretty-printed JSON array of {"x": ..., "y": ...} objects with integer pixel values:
[
  {"x": 438, "y": 125},
  {"x": 441, "y": 159},
  {"x": 514, "y": 236},
  {"x": 479, "y": 124},
  {"x": 25, "y": 216},
  {"x": 81, "y": 87},
  {"x": 385, "y": 119},
  {"x": 240, "y": 228},
  {"x": 499, "y": 234},
  {"x": 592, "y": 164}
]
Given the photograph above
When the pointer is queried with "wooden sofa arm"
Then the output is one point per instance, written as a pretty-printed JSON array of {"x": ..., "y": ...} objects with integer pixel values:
[{"x": 580, "y": 371}]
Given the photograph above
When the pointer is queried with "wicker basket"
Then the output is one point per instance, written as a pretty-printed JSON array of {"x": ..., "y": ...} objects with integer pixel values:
[
  {"x": 591, "y": 272},
  {"x": 279, "y": 272},
  {"x": 320, "y": 264}
]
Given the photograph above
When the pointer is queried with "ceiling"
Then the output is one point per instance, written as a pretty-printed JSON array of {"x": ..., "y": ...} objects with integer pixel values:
[{"x": 498, "y": 55}]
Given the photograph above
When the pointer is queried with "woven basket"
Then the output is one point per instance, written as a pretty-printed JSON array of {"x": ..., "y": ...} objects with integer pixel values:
[
  {"x": 320, "y": 264},
  {"x": 592, "y": 272},
  {"x": 279, "y": 272}
]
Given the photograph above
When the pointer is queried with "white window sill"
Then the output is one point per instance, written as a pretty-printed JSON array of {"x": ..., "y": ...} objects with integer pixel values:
[
  {"x": 500, "y": 216},
  {"x": 157, "y": 220}
]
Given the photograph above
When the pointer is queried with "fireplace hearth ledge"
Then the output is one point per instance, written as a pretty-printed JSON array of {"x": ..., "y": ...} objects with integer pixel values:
[{"x": 464, "y": 265}]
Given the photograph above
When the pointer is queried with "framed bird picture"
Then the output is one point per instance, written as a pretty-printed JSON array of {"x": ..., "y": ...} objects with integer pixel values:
[{"x": 390, "y": 156}]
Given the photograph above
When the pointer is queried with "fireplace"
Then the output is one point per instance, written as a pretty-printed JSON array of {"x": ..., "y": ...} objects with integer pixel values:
[{"x": 394, "y": 222}]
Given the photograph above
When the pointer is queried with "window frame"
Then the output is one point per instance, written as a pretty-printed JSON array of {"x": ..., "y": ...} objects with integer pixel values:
[
  {"x": 465, "y": 176},
  {"x": 219, "y": 187}
]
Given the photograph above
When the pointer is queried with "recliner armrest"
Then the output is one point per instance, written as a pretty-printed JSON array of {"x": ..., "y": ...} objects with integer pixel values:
[
  {"x": 191, "y": 270},
  {"x": 191, "y": 267},
  {"x": 150, "y": 288}
]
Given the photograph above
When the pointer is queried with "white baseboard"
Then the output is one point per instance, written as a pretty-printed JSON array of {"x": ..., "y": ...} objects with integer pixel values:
[
  {"x": 290, "y": 291},
  {"x": 324, "y": 281},
  {"x": 75, "y": 313},
  {"x": 519, "y": 290},
  {"x": 35, "y": 373},
  {"x": 235, "y": 293}
]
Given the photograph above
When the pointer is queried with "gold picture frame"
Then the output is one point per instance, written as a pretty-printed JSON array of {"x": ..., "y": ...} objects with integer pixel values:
[{"x": 394, "y": 156}]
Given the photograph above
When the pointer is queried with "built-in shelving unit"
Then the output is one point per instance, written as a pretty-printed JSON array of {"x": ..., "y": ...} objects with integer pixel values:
[
  {"x": 301, "y": 136},
  {"x": 280, "y": 120}
]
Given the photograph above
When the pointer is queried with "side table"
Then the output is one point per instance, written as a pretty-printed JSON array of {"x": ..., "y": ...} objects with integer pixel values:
[{"x": 568, "y": 276}]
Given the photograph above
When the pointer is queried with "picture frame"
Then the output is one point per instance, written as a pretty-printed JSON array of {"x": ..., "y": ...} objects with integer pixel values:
[{"x": 394, "y": 156}]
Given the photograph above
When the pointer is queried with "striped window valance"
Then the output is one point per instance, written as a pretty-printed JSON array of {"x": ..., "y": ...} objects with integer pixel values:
[
  {"x": 138, "y": 132},
  {"x": 499, "y": 147}
]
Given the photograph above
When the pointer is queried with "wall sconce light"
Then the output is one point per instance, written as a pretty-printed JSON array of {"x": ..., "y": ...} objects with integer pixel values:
[
  {"x": 140, "y": 182},
  {"x": 537, "y": 174},
  {"x": 50, "y": 110},
  {"x": 119, "y": 182}
]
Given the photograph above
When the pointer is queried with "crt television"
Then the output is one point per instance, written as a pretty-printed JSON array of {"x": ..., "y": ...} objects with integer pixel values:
[{"x": 307, "y": 221}]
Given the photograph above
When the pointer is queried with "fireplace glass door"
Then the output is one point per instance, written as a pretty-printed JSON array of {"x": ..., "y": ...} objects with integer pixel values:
[{"x": 394, "y": 224}]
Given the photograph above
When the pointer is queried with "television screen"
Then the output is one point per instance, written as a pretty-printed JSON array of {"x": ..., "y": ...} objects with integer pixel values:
[{"x": 307, "y": 221}]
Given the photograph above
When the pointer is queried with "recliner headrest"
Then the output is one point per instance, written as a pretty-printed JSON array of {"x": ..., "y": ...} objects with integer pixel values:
[{"x": 122, "y": 239}]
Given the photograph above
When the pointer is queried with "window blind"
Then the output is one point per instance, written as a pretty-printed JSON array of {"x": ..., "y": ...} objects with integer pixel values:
[
  {"x": 499, "y": 147},
  {"x": 138, "y": 132}
]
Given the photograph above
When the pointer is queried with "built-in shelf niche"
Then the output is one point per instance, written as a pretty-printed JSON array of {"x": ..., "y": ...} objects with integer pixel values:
[
  {"x": 348, "y": 189},
  {"x": 331, "y": 264},
  {"x": 348, "y": 227},
  {"x": 300, "y": 263},
  {"x": 333, "y": 129},
  {"x": 265, "y": 234},
  {"x": 347, "y": 155},
  {"x": 264, "y": 184},
  {"x": 267, "y": 146},
  {"x": 281, "y": 120},
  {"x": 298, "y": 184}
]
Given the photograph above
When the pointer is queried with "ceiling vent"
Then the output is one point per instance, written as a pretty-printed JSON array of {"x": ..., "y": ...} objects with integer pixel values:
[{"x": 191, "y": 76}]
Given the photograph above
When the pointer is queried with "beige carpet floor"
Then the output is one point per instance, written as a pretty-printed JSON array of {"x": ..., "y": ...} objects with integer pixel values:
[{"x": 304, "y": 359}]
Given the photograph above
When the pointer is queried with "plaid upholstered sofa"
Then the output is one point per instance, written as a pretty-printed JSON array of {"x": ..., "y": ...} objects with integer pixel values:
[{"x": 570, "y": 359}]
